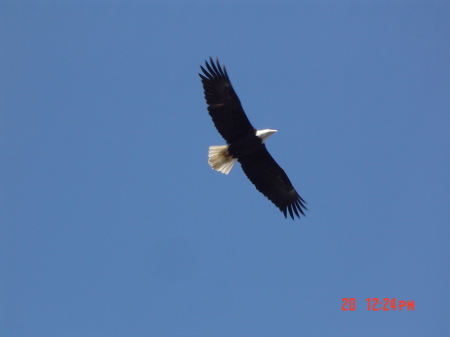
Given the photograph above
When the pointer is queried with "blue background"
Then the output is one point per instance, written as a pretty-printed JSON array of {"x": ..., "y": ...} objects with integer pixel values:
[{"x": 113, "y": 224}]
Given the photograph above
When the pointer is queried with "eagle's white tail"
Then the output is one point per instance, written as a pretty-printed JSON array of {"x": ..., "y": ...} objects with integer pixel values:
[{"x": 219, "y": 159}]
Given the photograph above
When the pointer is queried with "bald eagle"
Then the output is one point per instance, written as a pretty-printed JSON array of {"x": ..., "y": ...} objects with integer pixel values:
[{"x": 245, "y": 144}]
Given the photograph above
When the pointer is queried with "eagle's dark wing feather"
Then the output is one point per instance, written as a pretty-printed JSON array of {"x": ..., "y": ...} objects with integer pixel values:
[
  {"x": 223, "y": 104},
  {"x": 271, "y": 180}
]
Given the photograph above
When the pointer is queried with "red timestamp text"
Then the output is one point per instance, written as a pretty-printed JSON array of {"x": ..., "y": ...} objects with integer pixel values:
[{"x": 375, "y": 304}]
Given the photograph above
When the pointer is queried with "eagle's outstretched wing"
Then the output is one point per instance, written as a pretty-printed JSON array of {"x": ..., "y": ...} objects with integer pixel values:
[
  {"x": 223, "y": 104},
  {"x": 271, "y": 180}
]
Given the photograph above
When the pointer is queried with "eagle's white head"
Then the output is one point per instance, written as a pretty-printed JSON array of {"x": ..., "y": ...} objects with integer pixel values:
[{"x": 264, "y": 134}]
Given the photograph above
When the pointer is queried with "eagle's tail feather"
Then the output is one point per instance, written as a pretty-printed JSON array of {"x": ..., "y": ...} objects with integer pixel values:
[{"x": 219, "y": 159}]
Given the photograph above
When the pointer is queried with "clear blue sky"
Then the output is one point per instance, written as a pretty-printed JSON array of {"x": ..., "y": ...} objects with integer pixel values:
[{"x": 113, "y": 224}]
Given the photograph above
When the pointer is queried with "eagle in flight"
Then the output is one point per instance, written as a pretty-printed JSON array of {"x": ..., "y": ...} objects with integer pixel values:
[{"x": 245, "y": 144}]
